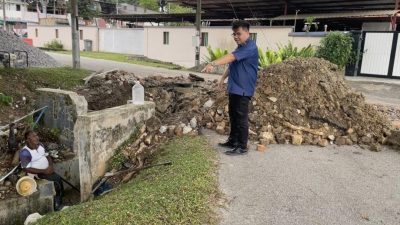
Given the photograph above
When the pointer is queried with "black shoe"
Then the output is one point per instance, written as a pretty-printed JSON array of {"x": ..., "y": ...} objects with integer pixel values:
[
  {"x": 227, "y": 144},
  {"x": 237, "y": 151}
]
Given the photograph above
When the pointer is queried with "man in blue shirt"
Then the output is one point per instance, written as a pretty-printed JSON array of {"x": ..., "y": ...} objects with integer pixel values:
[{"x": 242, "y": 79}]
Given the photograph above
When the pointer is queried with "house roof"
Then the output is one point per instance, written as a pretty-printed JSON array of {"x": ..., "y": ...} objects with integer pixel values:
[
  {"x": 356, "y": 14},
  {"x": 228, "y": 9}
]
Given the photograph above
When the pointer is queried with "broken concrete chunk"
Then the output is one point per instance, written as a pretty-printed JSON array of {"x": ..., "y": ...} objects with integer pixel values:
[
  {"x": 187, "y": 129},
  {"x": 193, "y": 122},
  {"x": 297, "y": 139},
  {"x": 163, "y": 129},
  {"x": 208, "y": 103},
  {"x": 273, "y": 99}
]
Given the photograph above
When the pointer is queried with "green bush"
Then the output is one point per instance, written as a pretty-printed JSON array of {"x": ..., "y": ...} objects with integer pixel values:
[
  {"x": 284, "y": 52},
  {"x": 5, "y": 100},
  {"x": 214, "y": 54},
  {"x": 54, "y": 45},
  {"x": 337, "y": 48},
  {"x": 289, "y": 51},
  {"x": 270, "y": 57}
]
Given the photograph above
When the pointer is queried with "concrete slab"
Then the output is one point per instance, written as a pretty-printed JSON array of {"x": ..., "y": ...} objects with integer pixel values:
[{"x": 15, "y": 210}]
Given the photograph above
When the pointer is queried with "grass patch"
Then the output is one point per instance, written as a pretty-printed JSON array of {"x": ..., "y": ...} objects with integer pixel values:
[
  {"x": 127, "y": 59},
  {"x": 183, "y": 193},
  {"x": 62, "y": 77}
]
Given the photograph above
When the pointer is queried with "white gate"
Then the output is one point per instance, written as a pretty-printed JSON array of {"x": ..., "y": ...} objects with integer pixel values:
[
  {"x": 396, "y": 67},
  {"x": 381, "y": 54},
  {"x": 128, "y": 41},
  {"x": 377, "y": 50}
]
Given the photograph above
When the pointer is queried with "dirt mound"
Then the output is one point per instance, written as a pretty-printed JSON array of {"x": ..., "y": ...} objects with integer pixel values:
[
  {"x": 300, "y": 101},
  {"x": 306, "y": 101},
  {"x": 37, "y": 58}
]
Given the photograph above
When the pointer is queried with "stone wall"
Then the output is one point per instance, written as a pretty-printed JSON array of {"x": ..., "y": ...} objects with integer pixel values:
[{"x": 98, "y": 134}]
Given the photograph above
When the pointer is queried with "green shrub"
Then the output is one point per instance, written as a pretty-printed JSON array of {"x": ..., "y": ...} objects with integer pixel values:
[
  {"x": 284, "y": 52},
  {"x": 289, "y": 51},
  {"x": 5, "y": 100},
  {"x": 54, "y": 45},
  {"x": 214, "y": 54},
  {"x": 337, "y": 48},
  {"x": 270, "y": 57}
]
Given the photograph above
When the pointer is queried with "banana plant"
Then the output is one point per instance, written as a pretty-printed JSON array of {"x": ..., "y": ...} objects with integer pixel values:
[
  {"x": 268, "y": 58},
  {"x": 214, "y": 54}
]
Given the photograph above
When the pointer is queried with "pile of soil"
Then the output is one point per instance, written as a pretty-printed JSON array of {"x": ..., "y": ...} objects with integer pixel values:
[
  {"x": 300, "y": 101},
  {"x": 306, "y": 101}
]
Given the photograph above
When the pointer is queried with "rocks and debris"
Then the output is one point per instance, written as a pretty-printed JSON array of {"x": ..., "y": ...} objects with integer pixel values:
[
  {"x": 299, "y": 102},
  {"x": 32, "y": 218},
  {"x": 37, "y": 58}
]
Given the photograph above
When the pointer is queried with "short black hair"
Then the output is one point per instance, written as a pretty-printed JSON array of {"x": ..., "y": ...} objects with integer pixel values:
[
  {"x": 27, "y": 133},
  {"x": 240, "y": 23}
]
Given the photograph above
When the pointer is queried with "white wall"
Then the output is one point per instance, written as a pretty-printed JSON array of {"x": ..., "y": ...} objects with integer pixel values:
[
  {"x": 375, "y": 26},
  {"x": 181, "y": 51},
  {"x": 48, "y": 33},
  {"x": 129, "y": 41}
]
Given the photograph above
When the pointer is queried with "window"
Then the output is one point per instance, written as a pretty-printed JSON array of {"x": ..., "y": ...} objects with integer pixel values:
[
  {"x": 166, "y": 38},
  {"x": 81, "y": 34},
  {"x": 253, "y": 36},
  {"x": 125, "y": 7},
  {"x": 36, "y": 32},
  {"x": 18, "y": 7},
  {"x": 204, "y": 39},
  {"x": 56, "y": 33},
  {"x": 135, "y": 9}
]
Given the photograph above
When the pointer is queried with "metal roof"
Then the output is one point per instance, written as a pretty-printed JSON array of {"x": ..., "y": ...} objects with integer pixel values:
[
  {"x": 357, "y": 14},
  {"x": 227, "y": 9},
  {"x": 159, "y": 17}
]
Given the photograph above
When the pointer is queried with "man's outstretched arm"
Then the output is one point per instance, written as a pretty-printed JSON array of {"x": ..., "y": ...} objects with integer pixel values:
[{"x": 219, "y": 62}]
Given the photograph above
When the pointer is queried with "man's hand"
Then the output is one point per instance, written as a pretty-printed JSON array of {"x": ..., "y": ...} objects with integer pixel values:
[
  {"x": 49, "y": 170},
  {"x": 220, "y": 85},
  {"x": 208, "y": 69}
]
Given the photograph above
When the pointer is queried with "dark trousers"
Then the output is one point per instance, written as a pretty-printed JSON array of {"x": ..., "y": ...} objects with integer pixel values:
[
  {"x": 58, "y": 185},
  {"x": 239, "y": 119}
]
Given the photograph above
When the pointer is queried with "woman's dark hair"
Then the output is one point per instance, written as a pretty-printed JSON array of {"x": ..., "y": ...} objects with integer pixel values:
[{"x": 240, "y": 23}]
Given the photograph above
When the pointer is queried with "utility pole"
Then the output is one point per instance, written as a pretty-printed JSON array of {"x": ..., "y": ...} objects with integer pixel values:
[
  {"x": 198, "y": 32},
  {"x": 4, "y": 16},
  {"x": 75, "y": 35}
]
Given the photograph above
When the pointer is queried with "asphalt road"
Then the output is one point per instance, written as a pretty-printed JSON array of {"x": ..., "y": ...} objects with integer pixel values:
[{"x": 307, "y": 185}]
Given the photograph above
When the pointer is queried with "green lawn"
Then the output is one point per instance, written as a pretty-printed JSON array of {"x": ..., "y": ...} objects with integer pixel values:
[
  {"x": 184, "y": 193},
  {"x": 62, "y": 77},
  {"x": 126, "y": 59}
]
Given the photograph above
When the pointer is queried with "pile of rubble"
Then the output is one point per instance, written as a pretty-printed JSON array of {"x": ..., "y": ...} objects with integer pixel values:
[
  {"x": 37, "y": 58},
  {"x": 300, "y": 101},
  {"x": 306, "y": 101}
]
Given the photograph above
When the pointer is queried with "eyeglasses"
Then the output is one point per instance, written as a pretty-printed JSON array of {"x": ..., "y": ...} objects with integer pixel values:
[{"x": 236, "y": 34}]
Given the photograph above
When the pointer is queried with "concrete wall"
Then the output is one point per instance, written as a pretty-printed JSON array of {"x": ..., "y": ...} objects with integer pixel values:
[
  {"x": 302, "y": 42},
  {"x": 63, "y": 109},
  {"x": 15, "y": 210},
  {"x": 98, "y": 134},
  {"x": 69, "y": 169},
  {"x": 129, "y": 41},
  {"x": 48, "y": 33},
  {"x": 180, "y": 49},
  {"x": 376, "y": 26}
]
